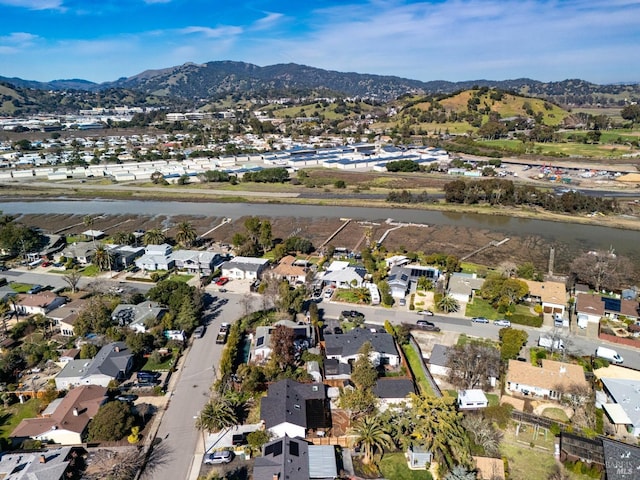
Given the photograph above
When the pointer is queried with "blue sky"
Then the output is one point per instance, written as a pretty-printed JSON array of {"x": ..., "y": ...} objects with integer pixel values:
[{"x": 101, "y": 40}]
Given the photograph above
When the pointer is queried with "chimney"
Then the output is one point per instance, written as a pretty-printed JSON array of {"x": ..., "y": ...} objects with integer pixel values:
[
  {"x": 116, "y": 349},
  {"x": 43, "y": 459},
  {"x": 75, "y": 412},
  {"x": 276, "y": 476}
]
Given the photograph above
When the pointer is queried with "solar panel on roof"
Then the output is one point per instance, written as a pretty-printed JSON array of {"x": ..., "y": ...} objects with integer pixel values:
[
  {"x": 277, "y": 449},
  {"x": 612, "y": 304}
]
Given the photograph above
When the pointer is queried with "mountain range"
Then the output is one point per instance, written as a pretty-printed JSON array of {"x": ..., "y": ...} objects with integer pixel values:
[{"x": 202, "y": 83}]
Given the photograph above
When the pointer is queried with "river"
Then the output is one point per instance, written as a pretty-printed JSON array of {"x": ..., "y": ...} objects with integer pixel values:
[{"x": 584, "y": 237}]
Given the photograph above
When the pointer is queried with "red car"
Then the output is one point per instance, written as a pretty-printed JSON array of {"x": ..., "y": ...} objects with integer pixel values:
[
  {"x": 46, "y": 263},
  {"x": 221, "y": 281}
]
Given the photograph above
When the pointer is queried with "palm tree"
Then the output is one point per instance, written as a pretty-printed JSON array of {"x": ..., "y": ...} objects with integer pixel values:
[
  {"x": 123, "y": 238},
  {"x": 371, "y": 434},
  {"x": 438, "y": 427},
  {"x": 155, "y": 236},
  {"x": 448, "y": 304},
  {"x": 186, "y": 234},
  {"x": 88, "y": 221},
  {"x": 217, "y": 414},
  {"x": 102, "y": 258}
]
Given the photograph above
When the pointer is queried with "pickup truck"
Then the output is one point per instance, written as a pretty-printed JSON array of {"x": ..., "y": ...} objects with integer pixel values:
[
  {"x": 222, "y": 333},
  {"x": 550, "y": 343}
]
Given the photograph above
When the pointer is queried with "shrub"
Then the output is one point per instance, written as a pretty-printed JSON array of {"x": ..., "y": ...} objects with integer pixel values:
[
  {"x": 527, "y": 320},
  {"x": 500, "y": 414}
]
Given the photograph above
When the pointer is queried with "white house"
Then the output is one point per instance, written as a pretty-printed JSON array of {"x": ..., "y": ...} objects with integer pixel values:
[
  {"x": 472, "y": 399},
  {"x": 244, "y": 268},
  {"x": 156, "y": 257},
  {"x": 31, "y": 304},
  {"x": 113, "y": 362},
  {"x": 463, "y": 285},
  {"x": 348, "y": 277},
  {"x": 291, "y": 408},
  {"x": 65, "y": 420},
  {"x": 393, "y": 391},
  {"x": 552, "y": 380},
  {"x": 345, "y": 347},
  {"x": 439, "y": 360}
]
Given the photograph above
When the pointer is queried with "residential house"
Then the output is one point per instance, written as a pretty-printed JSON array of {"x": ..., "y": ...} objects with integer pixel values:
[
  {"x": 156, "y": 257},
  {"x": 50, "y": 464},
  {"x": 589, "y": 307},
  {"x": 396, "y": 261},
  {"x": 136, "y": 317},
  {"x": 81, "y": 252},
  {"x": 37, "y": 303},
  {"x": 125, "y": 256},
  {"x": 348, "y": 277},
  {"x": 336, "y": 370},
  {"x": 55, "y": 243},
  {"x": 261, "y": 349},
  {"x": 113, "y": 362},
  {"x": 621, "y": 460},
  {"x": 345, "y": 347},
  {"x": 6, "y": 293},
  {"x": 462, "y": 286},
  {"x": 244, "y": 268},
  {"x": 69, "y": 355},
  {"x": 401, "y": 278},
  {"x": 552, "y": 380},
  {"x": 472, "y": 399},
  {"x": 623, "y": 408},
  {"x": 65, "y": 420},
  {"x": 196, "y": 261},
  {"x": 295, "y": 459},
  {"x": 596, "y": 306},
  {"x": 289, "y": 271},
  {"x": 65, "y": 316},
  {"x": 552, "y": 296},
  {"x": 489, "y": 468},
  {"x": 439, "y": 360},
  {"x": 292, "y": 408},
  {"x": 393, "y": 391}
]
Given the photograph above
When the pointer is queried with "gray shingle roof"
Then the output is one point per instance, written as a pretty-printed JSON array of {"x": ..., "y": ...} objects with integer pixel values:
[
  {"x": 112, "y": 359},
  {"x": 348, "y": 344},
  {"x": 439, "y": 355},
  {"x": 393, "y": 388},
  {"x": 283, "y": 458},
  {"x": 293, "y": 402},
  {"x": 622, "y": 461}
]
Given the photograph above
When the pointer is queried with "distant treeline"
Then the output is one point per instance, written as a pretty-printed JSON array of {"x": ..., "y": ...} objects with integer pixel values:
[{"x": 505, "y": 192}]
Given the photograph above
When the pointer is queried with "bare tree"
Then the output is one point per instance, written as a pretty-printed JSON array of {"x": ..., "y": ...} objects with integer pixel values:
[
  {"x": 72, "y": 279},
  {"x": 579, "y": 397},
  {"x": 247, "y": 303},
  {"x": 602, "y": 269},
  {"x": 471, "y": 365}
]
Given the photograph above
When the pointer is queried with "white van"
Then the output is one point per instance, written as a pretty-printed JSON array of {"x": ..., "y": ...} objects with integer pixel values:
[{"x": 609, "y": 354}]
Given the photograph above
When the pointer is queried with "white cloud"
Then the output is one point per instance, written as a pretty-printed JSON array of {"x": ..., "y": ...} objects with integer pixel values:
[
  {"x": 16, "y": 42},
  {"x": 208, "y": 32},
  {"x": 35, "y": 4},
  {"x": 267, "y": 21}
]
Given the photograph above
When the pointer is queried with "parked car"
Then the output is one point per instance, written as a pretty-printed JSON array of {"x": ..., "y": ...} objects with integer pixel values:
[
  {"x": 427, "y": 325},
  {"x": 502, "y": 323},
  {"x": 351, "y": 314},
  {"x": 428, "y": 313},
  {"x": 35, "y": 289},
  {"x": 480, "y": 320},
  {"x": 402, "y": 302},
  {"x": 215, "y": 458},
  {"x": 198, "y": 332},
  {"x": 129, "y": 398},
  {"x": 222, "y": 290},
  {"x": 221, "y": 281},
  {"x": 328, "y": 293}
]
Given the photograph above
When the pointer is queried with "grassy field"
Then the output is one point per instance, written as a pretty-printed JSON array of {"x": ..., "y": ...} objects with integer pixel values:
[
  {"x": 482, "y": 308},
  {"x": 555, "y": 414},
  {"x": 569, "y": 149},
  {"x": 415, "y": 364},
  {"x": 14, "y": 414},
  {"x": 394, "y": 466}
]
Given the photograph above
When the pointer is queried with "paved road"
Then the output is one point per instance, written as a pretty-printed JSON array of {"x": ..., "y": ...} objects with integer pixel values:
[
  {"x": 460, "y": 324},
  {"x": 180, "y": 438}
]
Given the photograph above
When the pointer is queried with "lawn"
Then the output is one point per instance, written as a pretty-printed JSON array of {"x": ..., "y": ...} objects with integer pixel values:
[
  {"x": 394, "y": 466},
  {"x": 20, "y": 287},
  {"x": 555, "y": 414},
  {"x": 526, "y": 462},
  {"x": 353, "y": 295},
  {"x": 415, "y": 363},
  {"x": 166, "y": 363},
  {"x": 482, "y": 308},
  {"x": 15, "y": 413},
  {"x": 181, "y": 277}
]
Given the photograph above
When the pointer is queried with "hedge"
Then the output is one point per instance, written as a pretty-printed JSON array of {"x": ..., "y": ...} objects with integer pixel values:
[{"x": 527, "y": 320}]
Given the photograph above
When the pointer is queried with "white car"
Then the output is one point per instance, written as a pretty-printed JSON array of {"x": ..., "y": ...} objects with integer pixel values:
[
  {"x": 224, "y": 456},
  {"x": 502, "y": 323},
  {"x": 428, "y": 313}
]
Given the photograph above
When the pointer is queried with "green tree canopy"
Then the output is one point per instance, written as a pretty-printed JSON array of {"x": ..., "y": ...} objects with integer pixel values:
[{"x": 113, "y": 421}]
